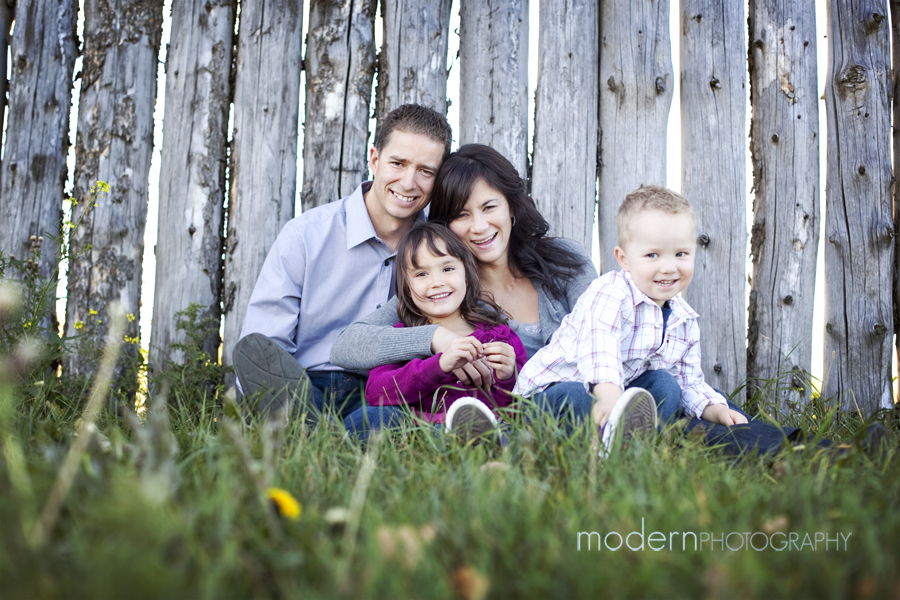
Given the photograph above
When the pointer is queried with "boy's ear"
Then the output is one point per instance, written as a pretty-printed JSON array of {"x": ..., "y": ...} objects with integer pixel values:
[{"x": 621, "y": 258}]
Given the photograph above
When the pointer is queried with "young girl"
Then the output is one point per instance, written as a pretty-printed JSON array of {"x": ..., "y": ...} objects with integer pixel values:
[{"x": 437, "y": 283}]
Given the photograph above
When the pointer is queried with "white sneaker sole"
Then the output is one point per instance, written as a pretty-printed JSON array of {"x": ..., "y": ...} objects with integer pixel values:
[
  {"x": 634, "y": 411},
  {"x": 470, "y": 418}
]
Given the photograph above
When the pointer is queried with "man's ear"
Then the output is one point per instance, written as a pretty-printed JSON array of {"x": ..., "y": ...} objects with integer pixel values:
[
  {"x": 621, "y": 258},
  {"x": 373, "y": 159}
]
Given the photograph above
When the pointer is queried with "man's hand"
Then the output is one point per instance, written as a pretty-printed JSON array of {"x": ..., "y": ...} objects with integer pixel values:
[
  {"x": 721, "y": 414},
  {"x": 502, "y": 358},
  {"x": 605, "y": 396},
  {"x": 461, "y": 352}
]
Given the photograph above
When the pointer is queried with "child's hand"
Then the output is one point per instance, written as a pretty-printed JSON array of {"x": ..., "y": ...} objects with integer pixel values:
[
  {"x": 502, "y": 358},
  {"x": 605, "y": 396},
  {"x": 460, "y": 352},
  {"x": 721, "y": 414}
]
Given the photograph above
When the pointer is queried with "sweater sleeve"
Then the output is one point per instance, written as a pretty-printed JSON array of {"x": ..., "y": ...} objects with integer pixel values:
[
  {"x": 411, "y": 383},
  {"x": 372, "y": 341},
  {"x": 503, "y": 333}
]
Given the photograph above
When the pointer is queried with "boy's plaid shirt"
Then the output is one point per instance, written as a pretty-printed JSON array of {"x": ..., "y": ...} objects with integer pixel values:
[{"x": 615, "y": 334}]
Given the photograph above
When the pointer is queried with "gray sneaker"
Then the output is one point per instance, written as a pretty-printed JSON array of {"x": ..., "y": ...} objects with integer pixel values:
[
  {"x": 470, "y": 419},
  {"x": 634, "y": 411},
  {"x": 265, "y": 368}
]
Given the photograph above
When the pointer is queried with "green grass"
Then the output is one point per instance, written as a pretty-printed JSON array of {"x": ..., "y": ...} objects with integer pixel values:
[{"x": 435, "y": 520}]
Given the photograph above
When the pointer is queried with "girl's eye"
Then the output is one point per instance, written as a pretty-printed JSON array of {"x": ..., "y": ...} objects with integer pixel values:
[
  {"x": 420, "y": 274},
  {"x": 447, "y": 269}
]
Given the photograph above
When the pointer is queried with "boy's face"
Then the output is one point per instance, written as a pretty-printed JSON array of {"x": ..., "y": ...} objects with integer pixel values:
[
  {"x": 403, "y": 174},
  {"x": 660, "y": 253}
]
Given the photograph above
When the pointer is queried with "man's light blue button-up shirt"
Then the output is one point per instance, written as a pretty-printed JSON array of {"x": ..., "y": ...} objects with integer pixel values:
[{"x": 326, "y": 269}]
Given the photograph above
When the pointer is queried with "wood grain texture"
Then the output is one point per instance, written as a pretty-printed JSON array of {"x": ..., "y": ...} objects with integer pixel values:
[
  {"x": 859, "y": 233},
  {"x": 493, "y": 90},
  {"x": 37, "y": 133},
  {"x": 636, "y": 86},
  {"x": 784, "y": 141},
  {"x": 264, "y": 148},
  {"x": 7, "y": 14},
  {"x": 114, "y": 144},
  {"x": 895, "y": 111},
  {"x": 564, "y": 163},
  {"x": 340, "y": 66},
  {"x": 412, "y": 64},
  {"x": 714, "y": 159},
  {"x": 192, "y": 171}
]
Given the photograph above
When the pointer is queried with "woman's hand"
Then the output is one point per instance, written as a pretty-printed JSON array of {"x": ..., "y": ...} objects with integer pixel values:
[
  {"x": 462, "y": 351},
  {"x": 502, "y": 358}
]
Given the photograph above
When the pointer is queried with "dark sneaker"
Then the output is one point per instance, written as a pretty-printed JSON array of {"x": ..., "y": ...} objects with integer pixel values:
[
  {"x": 266, "y": 369},
  {"x": 470, "y": 419},
  {"x": 634, "y": 411}
]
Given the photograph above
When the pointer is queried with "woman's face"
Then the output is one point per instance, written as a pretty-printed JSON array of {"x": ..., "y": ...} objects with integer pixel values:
[{"x": 485, "y": 224}]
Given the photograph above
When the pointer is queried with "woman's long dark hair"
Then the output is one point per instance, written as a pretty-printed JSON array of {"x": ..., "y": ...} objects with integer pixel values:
[
  {"x": 533, "y": 254},
  {"x": 475, "y": 308}
]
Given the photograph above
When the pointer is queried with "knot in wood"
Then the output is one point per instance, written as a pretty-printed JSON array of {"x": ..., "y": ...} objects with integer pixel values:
[
  {"x": 714, "y": 84},
  {"x": 853, "y": 79},
  {"x": 774, "y": 138},
  {"x": 660, "y": 86},
  {"x": 879, "y": 329},
  {"x": 703, "y": 239},
  {"x": 861, "y": 170},
  {"x": 192, "y": 230},
  {"x": 877, "y": 17},
  {"x": 717, "y": 367},
  {"x": 788, "y": 300},
  {"x": 611, "y": 83},
  {"x": 829, "y": 328},
  {"x": 21, "y": 62}
]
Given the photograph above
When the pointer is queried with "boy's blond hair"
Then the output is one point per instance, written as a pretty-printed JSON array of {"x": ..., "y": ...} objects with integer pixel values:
[{"x": 650, "y": 197}]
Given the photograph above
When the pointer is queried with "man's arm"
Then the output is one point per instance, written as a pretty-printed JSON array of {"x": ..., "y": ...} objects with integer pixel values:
[{"x": 274, "y": 306}]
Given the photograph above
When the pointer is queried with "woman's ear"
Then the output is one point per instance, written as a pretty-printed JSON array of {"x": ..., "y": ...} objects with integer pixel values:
[{"x": 621, "y": 258}]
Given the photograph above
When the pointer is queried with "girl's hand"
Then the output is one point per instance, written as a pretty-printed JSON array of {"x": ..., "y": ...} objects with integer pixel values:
[
  {"x": 460, "y": 352},
  {"x": 502, "y": 358},
  {"x": 721, "y": 414}
]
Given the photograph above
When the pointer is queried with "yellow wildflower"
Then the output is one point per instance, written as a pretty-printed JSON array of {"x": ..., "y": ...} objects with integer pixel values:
[
  {"x": 92, "y": 311},
  {"x": 285, "y": 504},
  {"x": 130, "y": 317},
  {"x": 79, "y": 325},
  {"x": 103, "y": 186}
]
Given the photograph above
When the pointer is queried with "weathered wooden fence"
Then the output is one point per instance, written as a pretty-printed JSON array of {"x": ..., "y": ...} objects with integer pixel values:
[{"x": 604, "y": 90}]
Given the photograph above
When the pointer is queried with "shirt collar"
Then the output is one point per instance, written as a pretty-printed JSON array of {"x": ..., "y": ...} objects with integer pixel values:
[
  {"x": 680, "y": 307},
  {"x": 359, "y": 225}
]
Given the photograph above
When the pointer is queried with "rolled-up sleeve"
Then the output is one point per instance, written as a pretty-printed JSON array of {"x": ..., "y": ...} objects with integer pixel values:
[{"x": 696, "y": 393}]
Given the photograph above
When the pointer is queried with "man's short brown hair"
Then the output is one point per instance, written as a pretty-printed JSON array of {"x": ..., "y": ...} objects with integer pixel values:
[
  {"x": 650, "y": 197},
  {"x": 415, "y": 118}
]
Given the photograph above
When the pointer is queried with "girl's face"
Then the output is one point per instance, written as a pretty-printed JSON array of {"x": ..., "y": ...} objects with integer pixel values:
[
  {"x": 438, "y": 285},
  {"x": 485, "y": 224}
]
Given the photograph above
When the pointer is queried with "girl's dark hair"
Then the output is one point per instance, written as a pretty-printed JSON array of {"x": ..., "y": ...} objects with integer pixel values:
[
  {"x": 532, "y": 253},
  {"x": 475, "y": 308}
]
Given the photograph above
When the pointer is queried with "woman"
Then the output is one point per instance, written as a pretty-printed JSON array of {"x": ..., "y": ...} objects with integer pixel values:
[{"x": 534, "y": 278}]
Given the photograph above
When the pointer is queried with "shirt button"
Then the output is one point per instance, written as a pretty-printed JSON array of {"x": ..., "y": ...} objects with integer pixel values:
[
  {"x": 387, "y": 262},
  {"x": 377, "y": 307}
]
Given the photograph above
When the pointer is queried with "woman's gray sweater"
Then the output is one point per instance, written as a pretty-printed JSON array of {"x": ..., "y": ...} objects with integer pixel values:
[{"x": 374, "y": 341}]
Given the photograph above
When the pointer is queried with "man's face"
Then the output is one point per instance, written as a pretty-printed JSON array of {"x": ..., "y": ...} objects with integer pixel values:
[
  {"x": 403, "y": 174},
  {"x": 660, "y": 254}
]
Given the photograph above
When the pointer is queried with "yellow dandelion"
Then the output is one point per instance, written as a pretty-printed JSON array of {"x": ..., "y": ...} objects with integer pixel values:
[{"x": 285, "y": 504}]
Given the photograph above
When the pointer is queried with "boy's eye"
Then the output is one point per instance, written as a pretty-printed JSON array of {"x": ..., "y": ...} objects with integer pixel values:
[
  {"x": 652, "y": 255},
  {"x": 681, "y": 254}
]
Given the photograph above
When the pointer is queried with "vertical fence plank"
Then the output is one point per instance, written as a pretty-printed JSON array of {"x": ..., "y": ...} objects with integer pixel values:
[
  {"x": 37, "y": 132},
  {"x": 895, "y": 109},
  {"x": 636, "y": 83},
  {"x": 412, "y": 64},
  {"x": 339, "y": 65},
  {"x": 192, "y": 171},
  {"x": 858, "y": 221},
  {"x": 784, "y": 141},
  {"x": 564, "y": 163},
  {"x": 713, "y": 115},
  {"x": 7, "y": 13},
  {"x": 493, "y": 90},
  {"x": 264, "y": 148},
  {"x": 115, "y": 142}
]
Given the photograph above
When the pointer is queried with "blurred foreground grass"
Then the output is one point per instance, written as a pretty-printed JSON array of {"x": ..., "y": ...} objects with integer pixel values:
[{"x": 181, "y": 513}]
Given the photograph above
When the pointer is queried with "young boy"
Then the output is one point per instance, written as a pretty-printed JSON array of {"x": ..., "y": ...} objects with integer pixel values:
[{"x": 632, "y": 330}]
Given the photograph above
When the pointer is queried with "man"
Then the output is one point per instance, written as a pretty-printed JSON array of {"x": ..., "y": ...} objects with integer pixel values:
[{"x": 334, "y": 264}]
